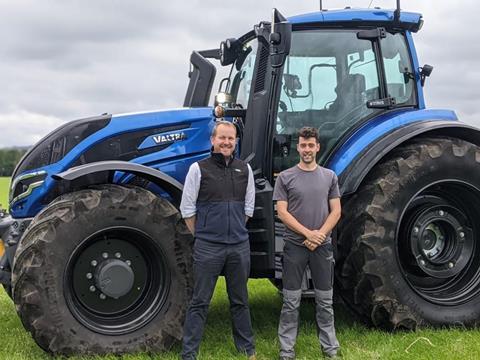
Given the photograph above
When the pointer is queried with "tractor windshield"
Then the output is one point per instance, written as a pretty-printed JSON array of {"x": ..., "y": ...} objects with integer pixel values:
[{"x": 328, "y": 78}]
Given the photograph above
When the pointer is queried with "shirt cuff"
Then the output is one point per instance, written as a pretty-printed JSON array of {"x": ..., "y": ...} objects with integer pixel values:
[{"x": 188, "y": 213}]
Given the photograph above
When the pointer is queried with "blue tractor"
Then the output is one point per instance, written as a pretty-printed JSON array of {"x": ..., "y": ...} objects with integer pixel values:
[{"x": 98, "y": 260}]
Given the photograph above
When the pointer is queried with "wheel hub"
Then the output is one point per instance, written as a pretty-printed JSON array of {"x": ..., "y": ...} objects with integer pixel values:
[
  {"x": 114, "y": 278},
  {"x": 105, "y": 280},
  {"x": 439, "y": 242},
  {"x": 432, "y": 241}
]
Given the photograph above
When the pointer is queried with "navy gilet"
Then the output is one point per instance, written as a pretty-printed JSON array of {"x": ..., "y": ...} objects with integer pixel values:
[{"x": 221, "y": 200}]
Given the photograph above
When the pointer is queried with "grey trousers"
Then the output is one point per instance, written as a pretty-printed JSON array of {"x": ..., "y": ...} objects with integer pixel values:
[
  {"x": 321, "y": 263},
  {"x": 209, "y": 261}
]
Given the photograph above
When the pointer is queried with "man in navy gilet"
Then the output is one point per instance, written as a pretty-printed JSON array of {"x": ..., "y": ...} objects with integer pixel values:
[{"x": 218, "y": 198}]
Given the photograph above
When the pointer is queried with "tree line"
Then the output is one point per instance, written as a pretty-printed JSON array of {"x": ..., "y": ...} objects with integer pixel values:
[{"x": 9, "y": 159}]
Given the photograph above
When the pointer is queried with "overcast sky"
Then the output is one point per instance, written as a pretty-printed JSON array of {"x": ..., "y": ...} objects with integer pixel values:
[{"x": 64, "y": 60}]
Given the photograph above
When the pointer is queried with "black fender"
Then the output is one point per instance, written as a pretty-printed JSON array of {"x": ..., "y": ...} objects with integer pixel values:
[
  {"x": 351, "y": 178},
  {"x": 166, "y": 182}
]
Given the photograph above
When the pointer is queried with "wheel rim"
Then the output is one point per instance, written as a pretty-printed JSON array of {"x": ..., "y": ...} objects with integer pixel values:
[
  {"x": 116, "y": 281},
  {"x": 437, "y": 249}
]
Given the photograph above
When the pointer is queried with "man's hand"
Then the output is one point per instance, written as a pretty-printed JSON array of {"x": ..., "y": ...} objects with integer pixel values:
[
  {"x": 314, "y": 239},
  {"x": 322, "y": 236},
  {"x": 190, "y": 222},
  {"x": 310, "y": 245}
]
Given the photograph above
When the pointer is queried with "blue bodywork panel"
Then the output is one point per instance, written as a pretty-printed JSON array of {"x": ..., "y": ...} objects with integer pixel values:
[
  {"x": 174, "y": 160},
  {"x": 378, "y": 127},
  {"x": 345, "y": 15}
]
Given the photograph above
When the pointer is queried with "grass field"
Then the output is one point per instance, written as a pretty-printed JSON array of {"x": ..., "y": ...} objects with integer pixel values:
[
  {"x": 4, "y": 183},
  {"x": 358, "y": 342}
]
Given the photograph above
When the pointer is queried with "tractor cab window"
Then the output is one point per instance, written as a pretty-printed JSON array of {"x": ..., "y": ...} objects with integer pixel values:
[
  {"x": 328, "y": 78},
  {"x": 364, "y": 65},
  {"x": 240, "y": 79},
  {"x": 398, "y": 69}
]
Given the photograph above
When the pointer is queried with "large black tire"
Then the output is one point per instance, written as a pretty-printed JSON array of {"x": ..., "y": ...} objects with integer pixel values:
[
  {"x": 409, "y": 241},
  {"x": 8, "y": 290},
  {"x": 104, "y": 270}
]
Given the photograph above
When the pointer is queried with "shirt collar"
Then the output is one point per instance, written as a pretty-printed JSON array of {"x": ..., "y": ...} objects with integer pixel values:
[{"x": 220, "y": 159}]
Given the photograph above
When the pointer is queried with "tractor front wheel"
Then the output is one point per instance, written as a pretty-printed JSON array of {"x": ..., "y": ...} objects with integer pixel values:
[{"x": 104, "y": 270}]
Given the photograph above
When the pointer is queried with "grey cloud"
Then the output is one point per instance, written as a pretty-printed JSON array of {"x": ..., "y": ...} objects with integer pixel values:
[
  {"x": 28, "y": 131},
  {"x": 66, "y": 60}
]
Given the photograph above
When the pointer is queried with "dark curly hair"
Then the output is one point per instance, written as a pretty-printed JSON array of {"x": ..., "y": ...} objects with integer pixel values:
[{"x": 308, "y": 132}]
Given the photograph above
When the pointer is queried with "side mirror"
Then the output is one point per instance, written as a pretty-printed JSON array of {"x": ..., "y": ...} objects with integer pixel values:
[
  {"x": 425, "y": 71},
  {"x": 279, "y": 39},
  {"x": 229, "y": 51}
]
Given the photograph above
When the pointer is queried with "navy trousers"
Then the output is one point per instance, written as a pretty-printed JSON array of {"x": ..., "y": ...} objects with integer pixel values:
[{"x": 210, "y": 260}]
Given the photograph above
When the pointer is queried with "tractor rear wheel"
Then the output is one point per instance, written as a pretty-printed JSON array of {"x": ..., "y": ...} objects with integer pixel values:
[
  {"x": 104, "y": 270},
  {"x": 409, "y": 241}
]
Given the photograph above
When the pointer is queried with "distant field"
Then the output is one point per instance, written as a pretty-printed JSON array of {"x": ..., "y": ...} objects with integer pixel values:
[
  {"x": 357, "y": 341},
  {"x": 4, "y": 183}
]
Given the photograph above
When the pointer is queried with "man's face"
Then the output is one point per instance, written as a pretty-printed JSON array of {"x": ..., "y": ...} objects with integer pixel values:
[
  {"x": 224, "y": 140},
  {"x": 308, "y": 149}
]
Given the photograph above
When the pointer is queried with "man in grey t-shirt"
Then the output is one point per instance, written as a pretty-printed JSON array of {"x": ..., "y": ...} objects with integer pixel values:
[{"x": 308, "y": 203}]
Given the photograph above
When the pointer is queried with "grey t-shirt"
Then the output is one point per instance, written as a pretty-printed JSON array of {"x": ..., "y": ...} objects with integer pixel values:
[{"x": 307, "y": 194}]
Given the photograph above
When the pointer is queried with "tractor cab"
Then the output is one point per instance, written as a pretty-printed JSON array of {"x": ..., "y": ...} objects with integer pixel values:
[{"x": 333, "y": 70}]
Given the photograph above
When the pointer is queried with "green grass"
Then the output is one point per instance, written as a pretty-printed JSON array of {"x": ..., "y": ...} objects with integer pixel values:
[
  {"x": 357, "y": 341},
  {"x": 4, "y": 184}
]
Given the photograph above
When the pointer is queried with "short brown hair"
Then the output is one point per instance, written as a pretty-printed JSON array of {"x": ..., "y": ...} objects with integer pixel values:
[
  {"x": 222, "y": 122},
  {"x": 308, "y": 132}
]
